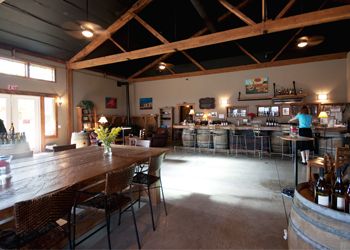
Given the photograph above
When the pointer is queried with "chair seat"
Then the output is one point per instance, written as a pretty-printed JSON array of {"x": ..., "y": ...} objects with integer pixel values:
[
  {"x": 116, "y": 202},
  {"x": 145, "y": 179}
]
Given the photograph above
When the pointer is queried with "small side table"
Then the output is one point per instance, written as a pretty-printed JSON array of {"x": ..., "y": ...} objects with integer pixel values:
[{"x": 290, "y": 191}]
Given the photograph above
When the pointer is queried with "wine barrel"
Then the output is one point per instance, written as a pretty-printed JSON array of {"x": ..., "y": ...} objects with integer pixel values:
[
  {"x": 220, "y": 139},
  {"x": 188, "y": 137},
  {"x": 81, "y": 139},
  {"x": 312, "y": 226},
  {"x": 203, "y": 138}
]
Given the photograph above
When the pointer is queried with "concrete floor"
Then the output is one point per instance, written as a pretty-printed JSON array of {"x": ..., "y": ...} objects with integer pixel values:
[{"x": 214, "y": 202}]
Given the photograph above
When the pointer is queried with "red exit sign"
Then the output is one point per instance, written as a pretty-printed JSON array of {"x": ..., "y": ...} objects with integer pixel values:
[{"x": 12, "y": 87}]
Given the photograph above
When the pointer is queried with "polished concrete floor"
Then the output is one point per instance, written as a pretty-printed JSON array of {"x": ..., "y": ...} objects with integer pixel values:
[{"x": 215, "y": 201}]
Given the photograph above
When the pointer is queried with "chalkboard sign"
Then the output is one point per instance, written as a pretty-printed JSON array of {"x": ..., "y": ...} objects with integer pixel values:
[{"x": 207, "y": 103}]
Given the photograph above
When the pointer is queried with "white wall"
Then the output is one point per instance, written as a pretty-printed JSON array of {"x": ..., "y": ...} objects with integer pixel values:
[{"x": 316, "y": 77}]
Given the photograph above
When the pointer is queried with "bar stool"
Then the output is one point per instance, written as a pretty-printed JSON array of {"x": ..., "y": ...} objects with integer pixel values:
[
  {"x": 258, "y": 137},
  {"x": 285, "y": 132},
  {"x": 204, "y": 139},
  {"x": 238, "y": 141}
]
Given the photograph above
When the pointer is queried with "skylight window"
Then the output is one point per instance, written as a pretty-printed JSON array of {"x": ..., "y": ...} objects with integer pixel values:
[
  {"x": 12, "y": 67},
  {"x": 41, "y": 72}
]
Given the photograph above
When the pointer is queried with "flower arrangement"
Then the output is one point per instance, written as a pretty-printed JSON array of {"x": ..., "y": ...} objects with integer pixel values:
[
  {"x": 106, "y": 136},
  {"x": 251, "y": 116}
]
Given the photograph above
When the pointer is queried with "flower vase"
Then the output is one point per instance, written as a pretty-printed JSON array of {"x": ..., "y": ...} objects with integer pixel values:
[{"x": 107, "y": 150}]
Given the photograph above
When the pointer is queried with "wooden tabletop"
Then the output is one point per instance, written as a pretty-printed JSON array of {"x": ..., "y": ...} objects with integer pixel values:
[
  {"x": 296, "y": 138},
  {"x": 33, "y": 177}
]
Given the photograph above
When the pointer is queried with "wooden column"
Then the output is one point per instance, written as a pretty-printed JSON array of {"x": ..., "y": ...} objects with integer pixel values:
[{"x": 69, "y": 87}]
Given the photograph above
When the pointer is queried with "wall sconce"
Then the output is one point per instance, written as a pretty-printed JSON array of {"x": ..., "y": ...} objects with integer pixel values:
[
  {"x": 322, "y": 97},
  {"x": 103, "y": 119},
  {"x": 224, "y": 102},
  {"x": 59, "y": 101}
]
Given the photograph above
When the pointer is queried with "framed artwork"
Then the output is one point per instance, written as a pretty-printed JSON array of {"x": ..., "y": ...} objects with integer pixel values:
[
  {"x": 199, "y": 114},
  {"x": 146, "y": 103},
  {"x": 111, "y": 103},
  {"x": 221, "y": 116},
  {"x": 207, "y": 103},
  {"x": 258, "y": 85},
  {"x": 285, "y": 111}
]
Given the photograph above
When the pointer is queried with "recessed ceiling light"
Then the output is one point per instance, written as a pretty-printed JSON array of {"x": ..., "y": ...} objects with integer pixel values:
[{"x": 87, "y": 33}]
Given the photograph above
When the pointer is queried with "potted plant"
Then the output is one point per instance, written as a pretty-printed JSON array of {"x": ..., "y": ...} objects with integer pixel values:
[{"x": 107, "y": 136}]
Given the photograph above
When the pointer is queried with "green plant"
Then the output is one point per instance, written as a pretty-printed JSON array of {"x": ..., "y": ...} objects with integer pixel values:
[
  {"x": 107, "y": 136},
  {"x": 86, "y": 104}
]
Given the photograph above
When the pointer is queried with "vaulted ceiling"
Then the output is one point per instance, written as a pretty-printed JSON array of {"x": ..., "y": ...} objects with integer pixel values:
[{"x": 132, "y": 37}]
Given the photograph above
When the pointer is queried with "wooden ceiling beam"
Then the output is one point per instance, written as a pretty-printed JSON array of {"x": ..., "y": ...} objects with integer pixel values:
[
  {"x": 285, "y": 9},
  {"x": 334, "y": 56},
  {"x": 247, "y": 53},
  {"x": 164, "y": 40},
  {"x": 125, "y": 18},
  {"x": 117, "y": 44},
  {"x": 270, "y": 26},
  {"x": 237, "y": 12},
  {"x": 200, "y": 32}
]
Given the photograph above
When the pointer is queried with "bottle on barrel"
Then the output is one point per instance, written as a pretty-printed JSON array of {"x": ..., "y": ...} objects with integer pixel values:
[
  {"x": 322, "y": 191},
  {"x": 338, "y": 196}
]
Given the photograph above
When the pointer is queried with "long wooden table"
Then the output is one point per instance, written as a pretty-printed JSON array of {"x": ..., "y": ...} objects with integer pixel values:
[{"x": 33, "y": 177}]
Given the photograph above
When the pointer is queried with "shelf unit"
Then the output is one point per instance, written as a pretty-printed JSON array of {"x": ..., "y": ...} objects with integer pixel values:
[
  {"x": 166, "y": 119},
  {"x": 86, "y": 119}
]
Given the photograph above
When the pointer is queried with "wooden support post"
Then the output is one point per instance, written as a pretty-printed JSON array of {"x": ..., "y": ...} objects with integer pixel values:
[{"x": 69, "y": 87}]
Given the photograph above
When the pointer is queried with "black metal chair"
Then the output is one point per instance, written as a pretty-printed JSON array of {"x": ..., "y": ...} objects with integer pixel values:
[
  {"x": 149, "y": 179},
  {"x": 36, "y": 224},
  {"x": 116, "y": 197}
]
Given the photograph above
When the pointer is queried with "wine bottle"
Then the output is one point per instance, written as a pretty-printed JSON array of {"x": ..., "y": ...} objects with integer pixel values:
[
  {"x": 338, "y": 196},
  {"x": 347, "y": 200},
  {"x": 11, "y": 129},
  {"x": 322, "y": 191}
]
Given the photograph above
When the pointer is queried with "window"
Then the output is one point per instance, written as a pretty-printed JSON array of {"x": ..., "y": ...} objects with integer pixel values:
[
  {"x": 237, "y": 111},
  {"x": 41, "y": 72},
  {"x": 12, "y": 67},
  {"x": 50, "y": 116},
  {"x": 268, "y": 111},
  {"x": 25, "y": 69}
]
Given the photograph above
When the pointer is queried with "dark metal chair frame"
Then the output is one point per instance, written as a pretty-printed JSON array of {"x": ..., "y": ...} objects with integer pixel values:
[
  {"x": 113, "y": 198},
  {"x": 149, "y": 179}
]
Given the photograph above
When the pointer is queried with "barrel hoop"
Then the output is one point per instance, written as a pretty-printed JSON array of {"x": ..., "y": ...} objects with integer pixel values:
[
  {"x": 322, "y": 226},
  {"x": 305, "y": 238},
  {"x": 318, "y": 209}
]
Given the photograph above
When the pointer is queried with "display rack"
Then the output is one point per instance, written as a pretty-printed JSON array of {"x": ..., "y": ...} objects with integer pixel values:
[
  {"x": 166, "y": 119},
  {"x": 86, "y": 119}
]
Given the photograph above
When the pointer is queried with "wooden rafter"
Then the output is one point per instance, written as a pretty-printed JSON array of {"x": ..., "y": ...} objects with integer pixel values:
[
  {"x": 125, "y": 18},
  {"x": 237, "y": 12},
  {"x": 164, "y": 40},
  {"x": 285, "y": 9},
  {"x": 270, "y": 26},
  {"x": 334, "y": 56},
  {"x": 247, "y": 53},
  {"x": 200, "y": 32},
  {"x": 117, "y": 44},
  {"x": 294, "y": 36}
]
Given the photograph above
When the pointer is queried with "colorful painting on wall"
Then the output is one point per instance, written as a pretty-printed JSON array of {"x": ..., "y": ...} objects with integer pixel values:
[
  {"x": 146, "y": 103},
  {"x": 258, "y": 85},
  {"x": 111, "y": 103}
]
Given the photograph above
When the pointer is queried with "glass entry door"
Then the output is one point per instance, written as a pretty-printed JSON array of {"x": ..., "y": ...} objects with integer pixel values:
[{"x": 24, "y": 112}]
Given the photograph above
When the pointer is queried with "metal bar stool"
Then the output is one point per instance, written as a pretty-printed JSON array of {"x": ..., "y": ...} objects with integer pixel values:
[
  {"x": 285, "y": 131},
  {"x": 189, "y": 138},
  {"x": 220, "y": 139},
  {"x": 238, "y": 141},
  {"x": 204, "y": 139},
  {"x": 260, "y": 138}
]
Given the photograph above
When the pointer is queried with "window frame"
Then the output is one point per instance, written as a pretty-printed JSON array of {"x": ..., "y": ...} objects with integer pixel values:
[
  {"x": 55, "y": 135},
  {"x": 27, "y": 68}
]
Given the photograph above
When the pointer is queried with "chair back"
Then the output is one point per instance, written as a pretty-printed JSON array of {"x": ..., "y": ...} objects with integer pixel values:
[
  {"x": 34, "y": 215},
  {"x": 155, "y": 163},
  {"x": 143, "y": 143},
  {"x": 117, "y": 181},
  {"x": 342, "y": 156},
  {"x": 64, "y": 147}
]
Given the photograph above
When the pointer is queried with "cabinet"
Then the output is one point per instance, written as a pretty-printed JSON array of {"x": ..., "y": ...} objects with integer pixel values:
[
  {"x": 166, "y": 120},
  {"x": 86, "y": 119}
]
